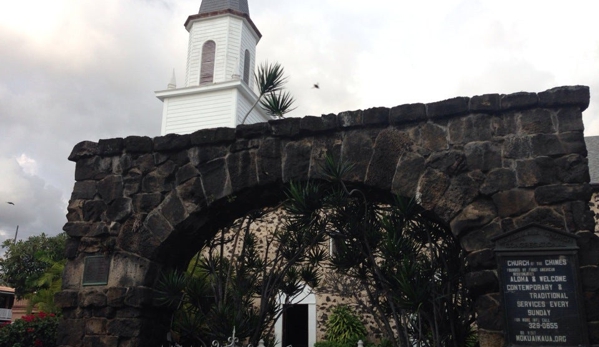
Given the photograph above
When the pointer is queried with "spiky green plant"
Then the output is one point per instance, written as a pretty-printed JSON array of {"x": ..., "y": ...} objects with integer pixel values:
[{"x": 270, "y": 79}]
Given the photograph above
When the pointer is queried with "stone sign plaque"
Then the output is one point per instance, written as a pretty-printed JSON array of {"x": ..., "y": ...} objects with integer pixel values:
[
  {"x": 538, "y": 275},
  {"x": 96, "y": 270}
]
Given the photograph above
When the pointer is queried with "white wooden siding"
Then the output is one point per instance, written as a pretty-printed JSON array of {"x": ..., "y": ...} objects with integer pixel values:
[
  {"x": 189, "y": 113},
  {"x": 249, "y": 42},
  {"x": 243, "y": 105},
  {"x": 215, "y": 29}
]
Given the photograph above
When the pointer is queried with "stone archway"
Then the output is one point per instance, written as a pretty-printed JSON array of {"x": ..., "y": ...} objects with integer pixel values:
[{"x": 485, "y": 165}]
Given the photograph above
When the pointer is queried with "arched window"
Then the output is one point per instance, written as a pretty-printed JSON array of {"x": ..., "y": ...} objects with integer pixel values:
[
  {"x": 207, "y": 67},
  {"x": 246, "y": 67}
]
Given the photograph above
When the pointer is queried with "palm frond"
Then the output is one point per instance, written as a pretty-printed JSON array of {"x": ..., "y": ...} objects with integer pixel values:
[{"x": 277, "y": 104}]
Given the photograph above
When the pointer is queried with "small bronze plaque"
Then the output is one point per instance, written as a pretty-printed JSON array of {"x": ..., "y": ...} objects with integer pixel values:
[
  {"x": 538, "y": 274},
  {"x": 96, "y": 270}
]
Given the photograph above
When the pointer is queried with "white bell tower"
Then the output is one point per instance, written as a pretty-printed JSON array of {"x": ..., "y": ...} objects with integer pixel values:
[{"x": 219, "y": 80}]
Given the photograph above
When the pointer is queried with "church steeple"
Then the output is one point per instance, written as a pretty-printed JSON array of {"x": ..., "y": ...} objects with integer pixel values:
[
  {"x": 220, "y": 5},
  {"x": 218, "y": 90}
]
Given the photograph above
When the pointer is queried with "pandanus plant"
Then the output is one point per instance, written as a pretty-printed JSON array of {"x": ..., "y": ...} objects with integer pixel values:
[{"x": 270, "y": 79}]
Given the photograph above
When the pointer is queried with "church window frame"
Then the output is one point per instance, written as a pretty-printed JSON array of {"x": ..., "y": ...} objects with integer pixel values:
[{"x": 207, "y": 62}]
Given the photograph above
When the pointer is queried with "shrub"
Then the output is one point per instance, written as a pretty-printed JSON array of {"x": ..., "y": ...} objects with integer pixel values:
[
  {"x": 344, "y": 326},
  {"x": 34, "y": 330}
]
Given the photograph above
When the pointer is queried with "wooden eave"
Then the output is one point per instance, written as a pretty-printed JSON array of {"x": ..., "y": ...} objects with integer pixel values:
[{"x": 220, "y": 13}]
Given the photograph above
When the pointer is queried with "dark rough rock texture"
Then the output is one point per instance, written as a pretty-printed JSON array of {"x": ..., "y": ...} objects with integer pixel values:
[{"x": 484, "y": 165}]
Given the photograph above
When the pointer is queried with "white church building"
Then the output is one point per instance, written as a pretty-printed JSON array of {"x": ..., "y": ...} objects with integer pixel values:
[{"x": 219, "y": 79}]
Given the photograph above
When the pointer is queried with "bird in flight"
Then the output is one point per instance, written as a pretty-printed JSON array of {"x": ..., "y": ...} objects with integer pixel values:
[
  {"x": 10, "y": 202},
  {"x": 316, "y": 86}
]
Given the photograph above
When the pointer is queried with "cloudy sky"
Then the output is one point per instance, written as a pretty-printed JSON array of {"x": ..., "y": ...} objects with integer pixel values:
[{"x": 74, "y": 70}]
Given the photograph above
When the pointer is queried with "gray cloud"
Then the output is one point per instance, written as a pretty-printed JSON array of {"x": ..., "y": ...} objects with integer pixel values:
[{"x": 88, "y": 70}]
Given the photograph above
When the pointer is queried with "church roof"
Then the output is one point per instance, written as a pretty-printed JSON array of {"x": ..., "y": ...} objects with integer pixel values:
[
  {"x": 211, "y": 8},
  {"x": 208, "y": 6}
]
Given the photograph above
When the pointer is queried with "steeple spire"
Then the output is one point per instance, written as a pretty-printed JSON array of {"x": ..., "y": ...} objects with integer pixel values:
[{"x": 220, "y": 5}]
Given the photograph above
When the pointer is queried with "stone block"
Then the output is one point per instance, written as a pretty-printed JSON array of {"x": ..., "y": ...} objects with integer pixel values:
[
  {"x": 323, "y": 147},
  {"x": 516, "y": 147},
  {"x": 215, "y": 179},
  {"x": 480, "y": 282},
  {"x": 110, "y": 147},
  {"x": 572, "y": 168},
  {"x": 141, "y": 242},
  {"x": 483, "y": 156},
  {"x": 537, "y": 121},
  {"x": 95, "y": 326},
  {"x": 93, "y": 210},
  {"x": 449, "y": 107},
  {"x": 547, "y": 145},
  {"x": 311, "y": 124},
  {"x": 449, "y": 162},
  {"x": 66, "y": 299},
  {"x": 92, "y": 298},
  {"x": 573, "y": 142},
  {"x": 470, "y": 128},
  {"x": 389, "y": 146},
  {"x": 242, "y": 170},
  {"x": 433, "y": 137},
  {"x": 462, "y": 190},
  {"x": 158, "y": 225},
  {"x": 145, "y": 202},
  {"x": 591, "y": 305},
  {"x": 376, "y": 116},
  {"x": 590, "y": 278},
  {"x": 533, "y": 172},
  {"x": 569, "y": 119},
  {"x": 93, "y": 168},
  {"x": 552, "y": 194},
  {"x": 119, "y": 209},
  {"x": 407, "y": 113},
  {"x": 520, "y": 100},
  {"x": 488, "y": 103},
  {"x": 172, "y": 209},
  {"x": 566, "y": 96},
  {"x": 490, "y": 316},
  {"x": 247, "y": 131},
  {"x": 77, "y": 229},
  {"x": 350, "y": 119},
  {"x": 479, "y": 239},
  {"x": 296, "y": 164},
  {"x": 171, "y": 142},
  {"x": 212, "y": 136},
  {"x": 498, "y": 180},
  {"x": 125, "y": 327},
  {"x": 514, "y": 202},
  {"x": 139, "y": 297},
  {"x": 186, "y": 172},
  {"x": 474, "y": 216},
  {"x": 116, "y": 296},
  {"x": 192, "y": 195},
  {"x": 138, "y": 144},
  {"x": 483, "y": 259},
  {"x": 83, "y": 149},
  {"x": 70, "y": 332},
  {"x": 129, "y": 270},
  {"x": 286, "y": 127},
  {"x": 431, "y": 187},
  {"x": 110, "y": 188},
  {"x": 84, "y": 190},
  {"x": 408, "y": 172}
]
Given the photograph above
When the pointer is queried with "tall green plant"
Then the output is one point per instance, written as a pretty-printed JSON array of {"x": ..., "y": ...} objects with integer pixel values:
[
  {"x": 235, "y": 284},
  {"x": 344, "y": 326},
  {"x": 270, "y": 79},
  {"x": 405, "y": 261}
]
